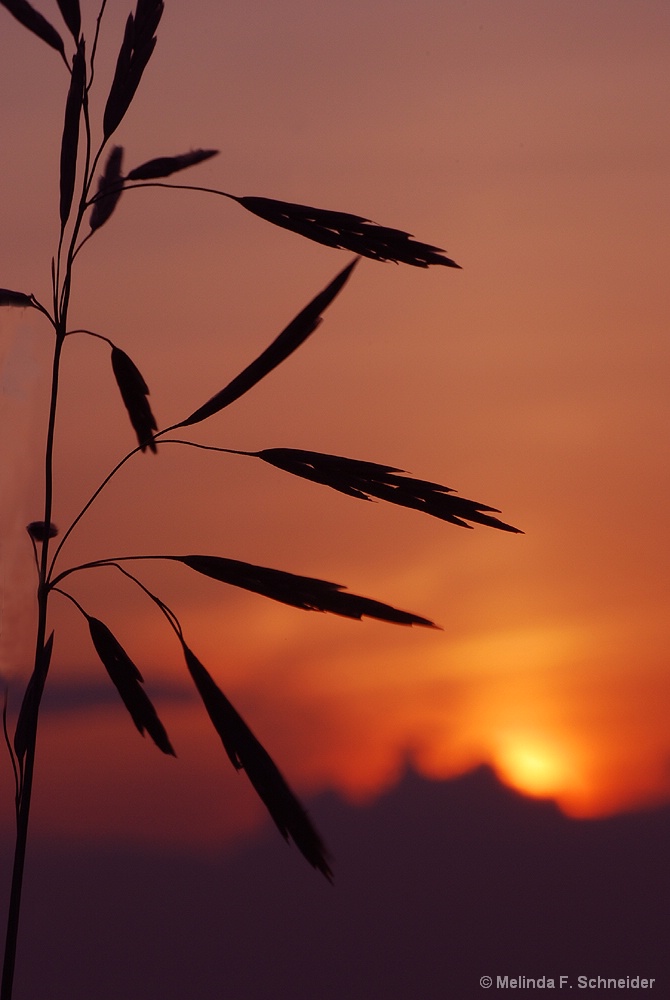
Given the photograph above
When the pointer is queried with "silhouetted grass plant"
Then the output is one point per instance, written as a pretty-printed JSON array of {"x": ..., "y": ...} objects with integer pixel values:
[{"x": 83, "y": 211}]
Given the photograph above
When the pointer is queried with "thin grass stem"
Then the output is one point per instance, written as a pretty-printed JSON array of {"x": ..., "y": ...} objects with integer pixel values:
[{"x": 26, "y": 783}]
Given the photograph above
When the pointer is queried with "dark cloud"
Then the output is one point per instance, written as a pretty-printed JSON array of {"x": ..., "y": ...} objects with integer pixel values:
[{"x": 75, "y": 696}]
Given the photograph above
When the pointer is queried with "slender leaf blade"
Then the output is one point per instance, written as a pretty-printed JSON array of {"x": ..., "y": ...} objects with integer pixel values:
[
  {"x": 295, "y": 334},
  {"x": 134, "y": 392},
  {"x": 247, "y": 753},
  {"x": 117, "y": 102},
  {"x": 35, "y": 22},
  {"x": 128, "y": 682},
  {"x": 70, "y": 140},
  {"x": 304, "y": 592},
  {"x": 71, "y": 14}
]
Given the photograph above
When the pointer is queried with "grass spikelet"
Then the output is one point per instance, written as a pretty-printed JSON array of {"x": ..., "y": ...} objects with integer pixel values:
[
  {"x": 347, "y": 232},
  {"x": 110, "y": 189},
  {"x": 136, "y": 50},
  {"x": 247, "y": 753},
  {"x": 70, "y": 141},
  {"x": 303, "y": 592},
  {"x": 298, "y": 330},
  {"x": 163, "y": 166},
  {"x": 71, "y": 14},
  {"x": 128, "y": 680},
  {"x": 367, "y": 479},
  {"x": 35, "y": 22},
  {"x": 39, "y": 531},
  {"x": 17, "y": 299},
  {"x": 147, "y": 18},
  {"x": 134, "y": 392},
  {"x": 118, "y": 101}
]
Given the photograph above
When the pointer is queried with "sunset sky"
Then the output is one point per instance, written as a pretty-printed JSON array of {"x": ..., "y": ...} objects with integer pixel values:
[{"x": 530, "y": 139}]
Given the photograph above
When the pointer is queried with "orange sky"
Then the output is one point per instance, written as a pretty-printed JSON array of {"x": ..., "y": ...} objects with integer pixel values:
[{"x": 531, "y": 140}]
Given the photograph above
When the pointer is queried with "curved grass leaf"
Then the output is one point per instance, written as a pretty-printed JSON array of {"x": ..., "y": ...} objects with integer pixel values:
[
  {"x": 10, "y": 298},
  {"x": 128, "y": 680},
  {"x": 35, "y": 22},
  {"x": 295, "y": 334},
  {"x": 136, "y": 49},
  {"x": 303, "y": 592},
  {"x": 134, "y": 392},
  {"x": 70, "y": 142},
  {"x": 27, "y": 720},
  {"x": 110, "y": 189},
  {"x": 347, "y": 232},
  {"x": 247, "y": 754},
  {"x": 163, "y": 166},
  {"x": 71, "y": 14},
  {"x": 367, "y": 479}
]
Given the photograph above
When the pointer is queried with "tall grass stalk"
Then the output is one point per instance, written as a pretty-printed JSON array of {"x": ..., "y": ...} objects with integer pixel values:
[{"x": 84, "y": 208}]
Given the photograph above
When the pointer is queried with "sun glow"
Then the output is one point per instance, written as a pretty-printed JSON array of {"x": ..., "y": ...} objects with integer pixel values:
[{"x": 535, "y": 768}]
